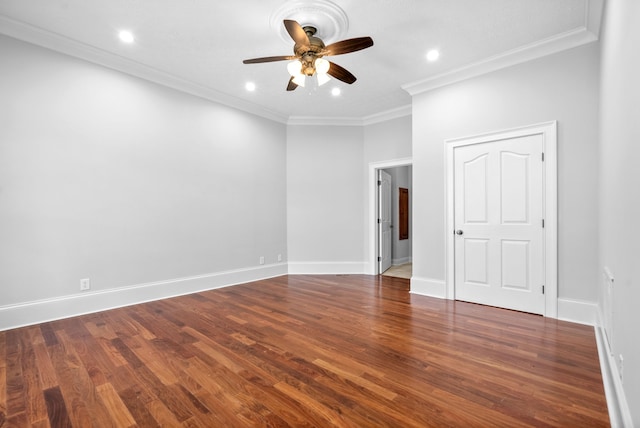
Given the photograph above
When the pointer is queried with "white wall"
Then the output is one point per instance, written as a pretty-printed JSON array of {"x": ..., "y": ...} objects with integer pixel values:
[
  {"x": 325, "y": 199},
  {"x": 113, "y": 178},
  {"x": 328, "y": 191},
  {"x": 385, "y": 141},
  {"x": 619, "y": 179},
  {"x": 562, "y": 87}
]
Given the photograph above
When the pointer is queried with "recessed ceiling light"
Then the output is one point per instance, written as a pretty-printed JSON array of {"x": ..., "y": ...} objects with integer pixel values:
[
  {"x": 433, "y": 55},
  {"x": 335, "y": 92},
  {"x": 126, "y": 36},
  {"x": 250, "y": 86}
]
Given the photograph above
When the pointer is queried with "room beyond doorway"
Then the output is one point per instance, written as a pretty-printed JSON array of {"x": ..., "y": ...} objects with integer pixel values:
[
  {"x": 401, "y": 189},
  {"x": 400, "y": 271}
]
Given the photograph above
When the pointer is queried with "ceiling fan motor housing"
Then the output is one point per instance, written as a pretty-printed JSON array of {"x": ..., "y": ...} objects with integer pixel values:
[{"x": 310, "y": 52}]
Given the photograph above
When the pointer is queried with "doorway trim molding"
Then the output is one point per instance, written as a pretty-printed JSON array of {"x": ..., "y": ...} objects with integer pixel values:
[
  {"x": 548, "y": 130},
  {"x": 372, "y": 184}
]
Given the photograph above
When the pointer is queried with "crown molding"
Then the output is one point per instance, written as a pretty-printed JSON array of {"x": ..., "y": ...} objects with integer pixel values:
[
  {"x": 324, "y": 121},
  {"x": 351, "y": 121},
  {"x": 588, "y": 33},
  {"x": 520, "y": 55},
  {"x": 65, "y": 45},
  {"x": 384, "y": 116}
]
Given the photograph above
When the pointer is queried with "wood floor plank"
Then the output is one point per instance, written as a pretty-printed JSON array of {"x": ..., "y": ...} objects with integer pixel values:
[
  {"x": 160, "y": 413},
  {"x": 3, "y": 378},
  {"x": 306, "y": 350},
  {"x": 14, "y": 386},
  {"x": 65, "y": 399},
  {"x": 48, "y": 378},
  {"x": 115, "y": 406},
  {"x": 56, "y": 407},
  {"x": 48, "y": 334},
  {"x": 323, "y": 415},
  {"x": 156, "y": 361},
  {"x": 36, "y": 406},
  {"x": 137, "y": 408},
  {"x": 357, "y": 379},
  {"x": 81, "y": 394}
]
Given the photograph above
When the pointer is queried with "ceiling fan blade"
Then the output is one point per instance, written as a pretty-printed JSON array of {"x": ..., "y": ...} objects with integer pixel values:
[
  {"x": 291, "y": 85},
  {"x": 268, "y": 59},
  {"x": 296, "y": 32},
  {"x": 349, "y": 45},
  {"x": 340, "y": 73}
]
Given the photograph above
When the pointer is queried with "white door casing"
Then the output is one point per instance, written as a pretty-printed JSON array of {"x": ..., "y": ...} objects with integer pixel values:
[
  {"x": 385, "y": 219},
  {"x": 499, "y": 190}
]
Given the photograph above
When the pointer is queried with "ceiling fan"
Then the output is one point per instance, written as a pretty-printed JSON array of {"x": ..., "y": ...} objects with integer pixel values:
[{"x": 308, "y": 56}]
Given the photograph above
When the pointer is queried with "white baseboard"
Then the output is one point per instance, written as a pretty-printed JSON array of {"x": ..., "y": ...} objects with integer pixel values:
[
  {"x": 429, "y": 287},
  {"x": 402, "y": 261},
  {"x": 619, "y": 412},
  {"x": 28, "y": 313},
  {"x": 328, "y": 268},
  {"x": 578, "y": 311}
]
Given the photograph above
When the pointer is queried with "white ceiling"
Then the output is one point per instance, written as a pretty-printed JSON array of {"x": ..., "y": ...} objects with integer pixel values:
[{"x": 198, "y": 46}]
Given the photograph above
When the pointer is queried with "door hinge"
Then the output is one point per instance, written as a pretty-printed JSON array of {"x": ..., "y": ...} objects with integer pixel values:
[
  {"x": 379, "y": 182},
  {"x": 379, "y": 258},
  {"x": 543, "y": 223},
  {"x": 542, "y": 156},
  {"x": 379, "y": 221},
  {"x": 543, "y": 289}
]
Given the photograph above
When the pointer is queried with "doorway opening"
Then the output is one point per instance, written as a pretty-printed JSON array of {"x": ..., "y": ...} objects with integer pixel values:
[{"x": 390, "y": 232}]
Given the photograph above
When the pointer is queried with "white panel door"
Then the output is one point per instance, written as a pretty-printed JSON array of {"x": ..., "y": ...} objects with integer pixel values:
[
  {"x": 498, "y": 214},
  {"x": 384, "y": 216}
]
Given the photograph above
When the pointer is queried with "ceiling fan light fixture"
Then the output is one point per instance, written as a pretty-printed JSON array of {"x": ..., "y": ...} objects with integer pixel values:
[
  {"x": 299, "y": 79},
  {"x": 295, "y": 70},
  {"x": 323, "y": 78},
  {"x": 294, "y": 67},
  {"x": 322, "y": 66}
]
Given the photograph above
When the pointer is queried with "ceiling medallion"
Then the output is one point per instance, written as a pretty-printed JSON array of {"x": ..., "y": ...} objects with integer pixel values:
[{"x": 328, "y": 18}]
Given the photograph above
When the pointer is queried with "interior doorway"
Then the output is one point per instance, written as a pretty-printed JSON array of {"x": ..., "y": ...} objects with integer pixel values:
[{"x": 390, "y": 238}]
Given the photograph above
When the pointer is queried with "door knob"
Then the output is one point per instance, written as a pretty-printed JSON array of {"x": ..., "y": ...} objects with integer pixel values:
[{"x": 459, "y": 232}]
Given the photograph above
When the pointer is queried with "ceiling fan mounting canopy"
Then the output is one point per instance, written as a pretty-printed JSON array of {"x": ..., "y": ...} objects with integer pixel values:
[
  {"x": 308, "y": 49},
  {"x": 328, "y": 18}
]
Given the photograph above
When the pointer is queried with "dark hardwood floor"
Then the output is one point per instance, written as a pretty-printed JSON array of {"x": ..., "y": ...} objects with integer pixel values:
[{"x": 348, "y": 351}]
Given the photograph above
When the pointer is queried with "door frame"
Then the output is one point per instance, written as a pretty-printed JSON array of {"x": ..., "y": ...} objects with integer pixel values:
[
  {"x": 373, "y": 208},
  {"x": 548, "y": 130}
]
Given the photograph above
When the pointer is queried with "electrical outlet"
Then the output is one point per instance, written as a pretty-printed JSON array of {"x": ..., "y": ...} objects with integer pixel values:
[
  {"x": 261, "y": 260},
  {"x": 85, "y": 284},
  {"x": 279, "y": 257}
]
